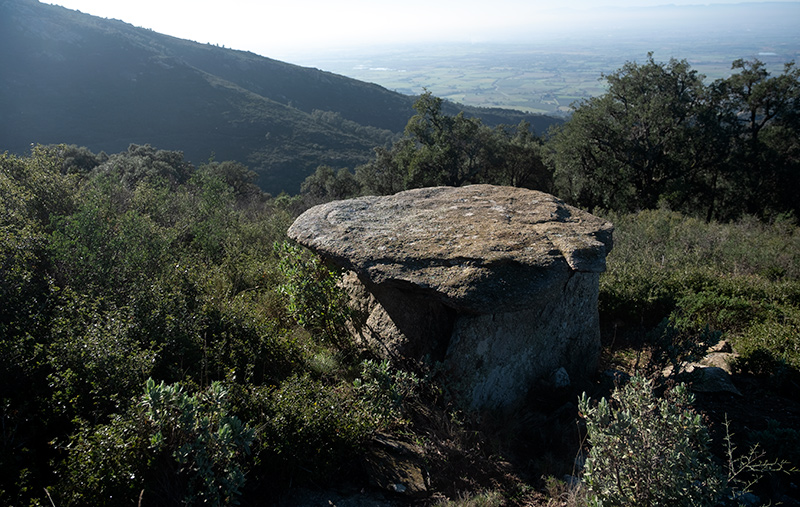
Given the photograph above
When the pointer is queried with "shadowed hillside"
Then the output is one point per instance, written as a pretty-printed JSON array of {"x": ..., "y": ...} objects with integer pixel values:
[{"x": 75, "y": 78}]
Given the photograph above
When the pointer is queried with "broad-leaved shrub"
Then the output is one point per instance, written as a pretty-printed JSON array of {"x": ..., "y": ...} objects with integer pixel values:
[{"x": 648, "y": 451}]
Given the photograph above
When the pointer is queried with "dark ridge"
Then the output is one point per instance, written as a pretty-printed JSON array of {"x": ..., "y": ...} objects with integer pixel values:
[{"x": 73, "y": 78}]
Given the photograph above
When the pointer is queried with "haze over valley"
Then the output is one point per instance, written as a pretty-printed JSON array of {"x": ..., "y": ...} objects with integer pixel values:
[
  {"x": 546, "y": 70},
  {"x": 535, "y": 56}
]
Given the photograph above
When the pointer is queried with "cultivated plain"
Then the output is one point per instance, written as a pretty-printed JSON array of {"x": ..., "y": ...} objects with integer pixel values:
[{"x": 546, "y": 73}]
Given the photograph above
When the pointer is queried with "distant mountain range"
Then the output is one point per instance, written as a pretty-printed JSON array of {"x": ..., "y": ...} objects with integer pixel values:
[{"x": 68, "y": 77}]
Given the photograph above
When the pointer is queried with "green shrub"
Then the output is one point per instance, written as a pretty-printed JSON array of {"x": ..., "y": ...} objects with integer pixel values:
[
  {"x": 776, "y": 340},
  {"x": 105, "y": 464},
  {"x": 171, "y": 448},
  {"x": 97, "y": 361},
  {"x": 310, "y": 430},
  {"x": 672, "y": 346},
  {"x": 385, "y": 390},
  {"x": 315, "y": 429},
  {"x": 35, "y": 185},
  {"x": 206, "y": 442},
  {"x": 314, "y": 298},
  {"x": 98, "y": 251},
  {"x": 647, "y": 451},
  {"x": 739, "y": 279},
  {"x": 778, "y": 442}
]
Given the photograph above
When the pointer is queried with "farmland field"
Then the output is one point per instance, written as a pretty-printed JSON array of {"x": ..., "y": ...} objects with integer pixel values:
[{"x": 549, "y": 75}]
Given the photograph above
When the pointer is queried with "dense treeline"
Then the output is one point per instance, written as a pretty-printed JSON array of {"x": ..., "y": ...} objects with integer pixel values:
[
  {"x": 161, "y": 342},
  {"x": 660, "y": 137},
  {"x": 439, "y": 149}
]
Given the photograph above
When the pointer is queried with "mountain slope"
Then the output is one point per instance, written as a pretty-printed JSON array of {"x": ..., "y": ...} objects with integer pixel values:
[{"x": 74, "y": 78}]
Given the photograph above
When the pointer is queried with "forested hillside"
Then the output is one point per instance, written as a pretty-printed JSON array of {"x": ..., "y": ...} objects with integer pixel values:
[{"x": 73, "y": 78}]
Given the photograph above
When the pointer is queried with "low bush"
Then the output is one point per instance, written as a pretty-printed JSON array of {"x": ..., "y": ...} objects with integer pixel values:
[
  {"x": 314, "y": 298},
  {"x": 171, "y": 448},
  {"x": 647, "y": 451},
  {"x": 386, "y": 390},
  {"x": 678, "y": 277},
  {"x": 310, "y": 429}
]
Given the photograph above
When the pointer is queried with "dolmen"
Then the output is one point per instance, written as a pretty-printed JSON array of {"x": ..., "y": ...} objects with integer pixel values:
[{"x": 494, "y": 286}]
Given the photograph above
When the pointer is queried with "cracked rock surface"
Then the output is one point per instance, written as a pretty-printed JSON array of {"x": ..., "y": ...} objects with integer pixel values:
[{"x": 480, "y": 248}]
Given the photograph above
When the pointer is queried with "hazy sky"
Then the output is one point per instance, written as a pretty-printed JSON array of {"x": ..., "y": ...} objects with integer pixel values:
[{"x": 284, "y": 29}]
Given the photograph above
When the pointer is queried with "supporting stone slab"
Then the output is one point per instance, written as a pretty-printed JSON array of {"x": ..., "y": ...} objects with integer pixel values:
[{"x": 493, "y": 360}]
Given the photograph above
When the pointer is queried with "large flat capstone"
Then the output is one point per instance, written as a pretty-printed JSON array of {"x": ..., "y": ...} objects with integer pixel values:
[{"x": 499, "y": 283}]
